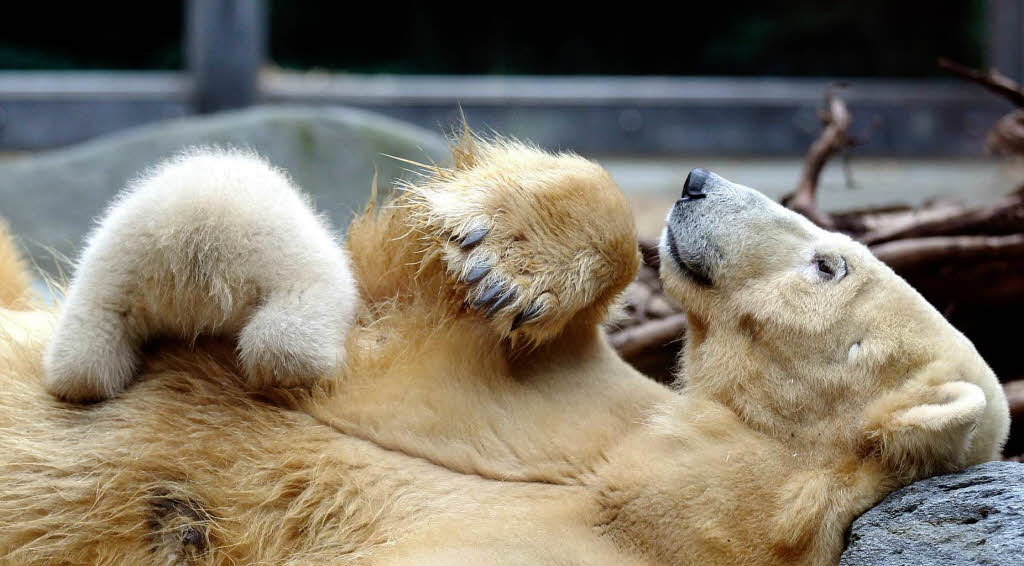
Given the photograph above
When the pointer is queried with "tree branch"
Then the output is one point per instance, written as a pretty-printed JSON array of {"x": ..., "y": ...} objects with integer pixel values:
[
  {"x": 1004, "y": 217},
  {"x": 1015, "y": 397},
  {"x": 991, "y": 79},
  {"x": 1007, "y": 136},
  {"x": 632, "y": 341},
  {"x": 833, "y": 139},
  {"x": 910, "y": 253}
]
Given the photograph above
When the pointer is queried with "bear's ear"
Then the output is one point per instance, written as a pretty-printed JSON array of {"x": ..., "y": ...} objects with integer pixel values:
[{"x": 925, "y": 428}]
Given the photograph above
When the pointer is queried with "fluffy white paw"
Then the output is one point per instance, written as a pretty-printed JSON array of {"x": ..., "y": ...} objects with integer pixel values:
[
  {"x": 91, "y": 363},
  {"x": 282, "y": 347},
  {"x": 212, "y": 242}
]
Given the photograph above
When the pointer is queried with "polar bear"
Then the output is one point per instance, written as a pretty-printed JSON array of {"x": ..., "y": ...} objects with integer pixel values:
[
  {"x": 481, "y": 416},
  {"x": 212, "y": 240}
]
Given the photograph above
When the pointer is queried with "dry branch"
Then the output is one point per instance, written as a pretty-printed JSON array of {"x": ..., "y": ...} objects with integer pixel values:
[
  {"x": 991, "y": 79},
  {"x": 908, "y": 254},
  {"x": 1014, "y": 391},
  {"x": 1007, "y": 136},
  {"x": 983, "y": 273},
  {"x": 861, "y": 222},
  {"x": 649, "y": 252},
  {"x": 1015, "y": 397},
  {"x": 833, "y": 139},
  {"x": 1004, "y": 217},
  {"x": 632, "y": 341}
]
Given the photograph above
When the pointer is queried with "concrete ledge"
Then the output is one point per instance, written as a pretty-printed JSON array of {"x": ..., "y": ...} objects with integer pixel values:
[
  {"x": 595, "y": 115},
  {"x": 667, "y": 115},
  {"x": 41, "y": 110},
  {"x": 103, "y": 85},
  {"x": 605, "y": 90}
]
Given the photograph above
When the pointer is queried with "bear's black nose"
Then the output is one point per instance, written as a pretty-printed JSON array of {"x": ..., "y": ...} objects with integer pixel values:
[{"x": 693, "y": 187}]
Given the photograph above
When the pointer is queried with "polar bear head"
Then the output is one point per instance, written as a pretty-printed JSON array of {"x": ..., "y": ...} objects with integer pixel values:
[{"x": 805, "y": 335}]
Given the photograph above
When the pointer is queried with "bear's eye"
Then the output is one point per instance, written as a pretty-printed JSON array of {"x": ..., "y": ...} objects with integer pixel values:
[{"x": 830, "y": 268}]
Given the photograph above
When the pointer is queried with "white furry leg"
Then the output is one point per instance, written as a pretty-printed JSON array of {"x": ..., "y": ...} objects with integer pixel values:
[
  {"x": 90, "y": 356},
  {"x": 292, "y": 336},
  {"x": 93, "y": 351},
  {"x": 210, "y": 242}
]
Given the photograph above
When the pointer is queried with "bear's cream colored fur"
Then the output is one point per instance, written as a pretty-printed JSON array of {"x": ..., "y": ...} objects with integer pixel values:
[
  {"x": 482, "y": 419},
  {"x": 211, "y": 241},
  {"x": 14, "y": 290}
]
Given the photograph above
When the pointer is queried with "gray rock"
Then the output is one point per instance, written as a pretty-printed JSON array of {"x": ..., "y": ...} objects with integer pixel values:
[
  {"x": 973, "y": 517},
  {"x": 51, "y": 199}
]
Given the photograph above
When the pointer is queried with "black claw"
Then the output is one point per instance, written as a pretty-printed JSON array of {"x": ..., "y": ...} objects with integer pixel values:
[
  {"x": 477, "y": 273},
  {"x": 488, "y": 295},
  {"x": 527, "y": 315},
  {"x": 500, "y": 302},
  {"x": 474, "y": 236}
]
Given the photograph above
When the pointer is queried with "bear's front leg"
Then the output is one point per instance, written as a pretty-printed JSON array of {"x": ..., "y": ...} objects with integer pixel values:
[
  {"x": 212, "y": 242},
  {"x": 485, "y": 283},
  {"x": 535, "y": 241}
]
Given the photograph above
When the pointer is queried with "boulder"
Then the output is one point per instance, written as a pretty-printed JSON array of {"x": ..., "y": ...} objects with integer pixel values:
[
  {"x": 975, "y": 517},
  {"x": 51, "y": 199}
]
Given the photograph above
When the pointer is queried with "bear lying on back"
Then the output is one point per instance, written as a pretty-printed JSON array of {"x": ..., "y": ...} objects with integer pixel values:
[{"x": 481, "y": 417}]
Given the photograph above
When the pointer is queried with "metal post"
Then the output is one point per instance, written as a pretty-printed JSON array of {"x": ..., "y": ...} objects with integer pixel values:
[
  {"x": 225, "y": 47},
  {"x": 1006, "y": 37}
]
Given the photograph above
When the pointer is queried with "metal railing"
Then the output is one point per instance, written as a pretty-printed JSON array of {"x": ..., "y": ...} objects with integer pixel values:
[{"x": 226, "y": 47}]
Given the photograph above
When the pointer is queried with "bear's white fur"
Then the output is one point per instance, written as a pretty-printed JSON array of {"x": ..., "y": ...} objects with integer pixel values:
[
  {"x": 482, "y": 417},
  {"x": 212, "y": 241}
]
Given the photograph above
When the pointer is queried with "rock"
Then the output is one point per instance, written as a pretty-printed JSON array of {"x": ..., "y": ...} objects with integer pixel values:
[
  {"x": 975, "y": 517},
  {"x": 51, "y": 199}
]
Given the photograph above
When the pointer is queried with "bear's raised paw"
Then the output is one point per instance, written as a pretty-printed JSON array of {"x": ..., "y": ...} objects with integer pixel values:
[{"x": 549, "y": 244}]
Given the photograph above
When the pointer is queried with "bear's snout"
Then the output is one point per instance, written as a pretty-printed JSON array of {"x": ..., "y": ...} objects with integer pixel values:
[{"x": 693, "y": 187}]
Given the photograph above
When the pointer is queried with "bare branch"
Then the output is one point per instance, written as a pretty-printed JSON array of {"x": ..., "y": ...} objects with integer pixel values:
[
  {"x": 1004, "y": 217},
  {"x": 632, "y": 341},
  {"x": 1007, "y": 136},
  {"x": 991, "y": 79},
  {"x": 910, "y": 253},
  {"x": 1015, "y": 397},
  {"x": 834, "y": 139}
]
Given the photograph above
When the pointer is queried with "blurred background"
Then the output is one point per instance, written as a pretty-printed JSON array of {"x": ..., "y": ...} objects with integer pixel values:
[
  {"x": 733, "y": 86},
  {"x": 90, "y": 94}
]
